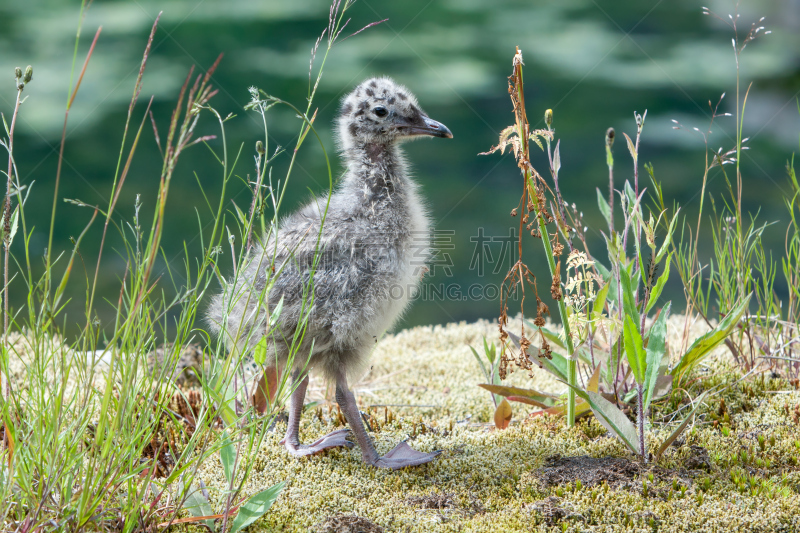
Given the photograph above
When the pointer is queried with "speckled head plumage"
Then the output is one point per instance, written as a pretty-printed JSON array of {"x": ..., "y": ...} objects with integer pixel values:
[{"x": 381, "y": 111}]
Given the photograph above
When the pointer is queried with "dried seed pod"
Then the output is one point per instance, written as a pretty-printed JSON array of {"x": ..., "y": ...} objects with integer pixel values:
[{"x": 610, "y": 137}]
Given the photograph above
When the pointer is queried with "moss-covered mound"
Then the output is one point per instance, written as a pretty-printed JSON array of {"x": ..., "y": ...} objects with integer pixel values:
[{"x": 736, "y": 468}]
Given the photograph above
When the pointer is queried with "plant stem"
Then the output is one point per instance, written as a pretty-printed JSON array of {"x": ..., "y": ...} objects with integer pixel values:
[
  {"x": 640, "y": 409},
  {"x": 7, "y": 228}
]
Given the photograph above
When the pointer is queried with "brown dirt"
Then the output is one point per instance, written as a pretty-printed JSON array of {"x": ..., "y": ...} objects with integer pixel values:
[
  {"x": 550, "y": 508},
  {"x": 433, "y": 501},
  {"x": 697, "y": 459},
  {"x": 348, "y": 524},
  {"x": 615, "y": 471}
]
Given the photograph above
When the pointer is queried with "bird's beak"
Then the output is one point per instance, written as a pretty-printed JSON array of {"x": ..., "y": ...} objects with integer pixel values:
[{"x": 432, "y": 128}]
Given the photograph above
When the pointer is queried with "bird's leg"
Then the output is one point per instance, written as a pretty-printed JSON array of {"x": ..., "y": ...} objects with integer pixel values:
[
  {"x": 292, "y": 439},
  {"x": 401, "y": 456}
]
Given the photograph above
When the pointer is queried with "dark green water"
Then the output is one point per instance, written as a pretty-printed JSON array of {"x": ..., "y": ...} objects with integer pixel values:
[{"x": 593, "y": 62}]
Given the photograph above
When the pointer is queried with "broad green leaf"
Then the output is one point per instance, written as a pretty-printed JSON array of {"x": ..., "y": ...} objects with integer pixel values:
[
  {"x": 227, "y": 455},
  {"x": 668, "y": 239},
  {"x": 703, "y": 345},
  {"x": 502, "y": 415},
  {"x": 655, "y": 292},
  {"x": 605, "y": 209},
  {"x": 556, "y": 366},
  {"x": 675, "y": 434},
  {"x": 656, "y": 347},
  {"x": 197, "y": 505},
  {"x": 612, "y": 418},
  {"x": 256, "y": 506},
  {"x": 628, "y": 300},
  {"x": 634, "y": 350}
]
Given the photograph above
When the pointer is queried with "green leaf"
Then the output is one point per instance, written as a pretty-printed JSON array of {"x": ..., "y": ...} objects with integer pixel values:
[
  {"x": 612, "y": 418},
  {"x": 655, "y": 292},
  {"x": 557, "y": 159},
  {"x": 605, "y": 209},
  {"x": 634, "y": 349},
  {"x": 256, "y": 506},
  {"x": 556, "y": 365},
  {"x": 703, "y": 345},
  {"x": 240, "y": 215},
  {"x": 14, "y": 224},
  {"x": 656, "y": 347},
  {"x": 227, "y": 455},
  {"x": 628, "y": 300},
  {"x": 675, "y": 434},
  {"x": 197, "y": 505},
  {"x": 600, "y": 302},
  {"x": 480, "y": 362},
  {"x": 260, "y": 352},
  {"x": 275, "y": 315},
  {"x": 489, "y": 350},
  {"x": 631, "y": 148},
  {"x": 668, "y": 239}
]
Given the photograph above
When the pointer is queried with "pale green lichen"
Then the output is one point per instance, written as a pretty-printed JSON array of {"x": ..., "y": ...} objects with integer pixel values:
[{"x": 430, "y": 378}]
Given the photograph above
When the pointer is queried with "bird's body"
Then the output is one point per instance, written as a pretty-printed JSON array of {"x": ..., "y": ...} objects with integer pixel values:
[{"x": 353, "y": 273}]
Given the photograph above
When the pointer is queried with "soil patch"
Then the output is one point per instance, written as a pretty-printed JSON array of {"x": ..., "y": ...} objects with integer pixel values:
[
  {"x": 348, "y": 524},
  {"x": 552, "y": 511},
  {"x": 616, "y": 471},
  {"x": 433, "y": 501},
  {"x": 697, "y": 459}
]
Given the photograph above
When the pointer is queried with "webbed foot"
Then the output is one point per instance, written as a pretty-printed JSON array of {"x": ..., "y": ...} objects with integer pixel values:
[
  {"x": 404, "y": 455},
  {"x": 335, "y": 439}
]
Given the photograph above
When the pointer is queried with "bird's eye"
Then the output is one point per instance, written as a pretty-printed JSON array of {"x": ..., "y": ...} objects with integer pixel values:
[{"x": 380, "y": 111}]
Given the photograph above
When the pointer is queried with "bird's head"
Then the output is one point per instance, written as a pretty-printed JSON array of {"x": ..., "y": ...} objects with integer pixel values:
[{"x": 380, "y": 111}]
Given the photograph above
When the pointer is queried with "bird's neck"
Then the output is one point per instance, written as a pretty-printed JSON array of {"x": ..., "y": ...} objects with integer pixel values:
[{"x": 375, "y": 169}]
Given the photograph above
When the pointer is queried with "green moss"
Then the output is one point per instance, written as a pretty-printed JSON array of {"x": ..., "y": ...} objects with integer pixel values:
[{"x": 429, "y": 379}]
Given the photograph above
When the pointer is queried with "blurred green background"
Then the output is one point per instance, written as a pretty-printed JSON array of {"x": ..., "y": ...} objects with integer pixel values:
[{"x": 594, "y": 62}]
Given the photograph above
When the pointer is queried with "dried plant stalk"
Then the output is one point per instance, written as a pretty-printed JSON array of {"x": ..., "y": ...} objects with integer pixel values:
[{"x": 534, "y": 203}]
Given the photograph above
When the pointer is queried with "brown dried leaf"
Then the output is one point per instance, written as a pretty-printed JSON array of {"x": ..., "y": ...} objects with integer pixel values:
[
  {"x": 502, "y": 416},
  {"x": 265, "y": 389}
]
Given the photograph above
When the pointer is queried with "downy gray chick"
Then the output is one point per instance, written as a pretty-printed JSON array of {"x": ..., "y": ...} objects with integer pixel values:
[{"x": 371, "y": 255}]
